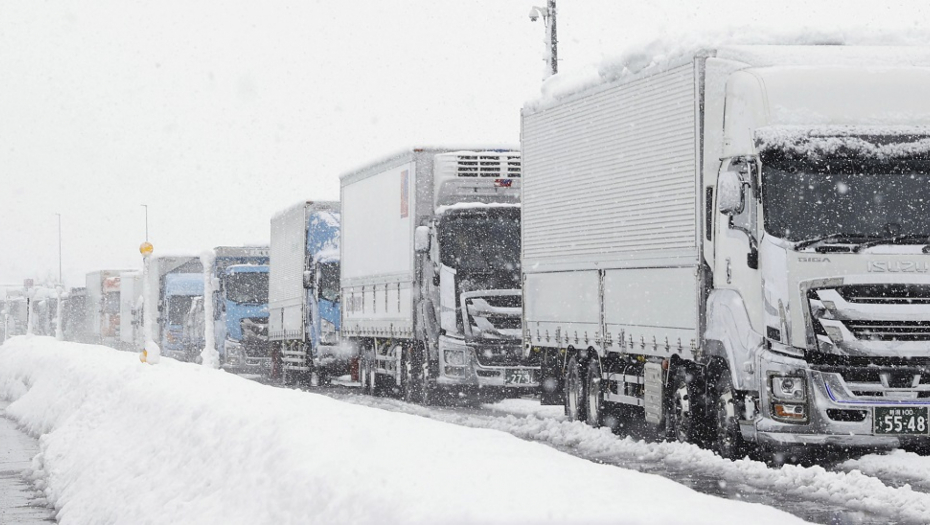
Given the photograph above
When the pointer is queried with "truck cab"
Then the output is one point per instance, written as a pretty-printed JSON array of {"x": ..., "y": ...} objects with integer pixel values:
[
  {"x": 180, "y": 291},
  {"x": 822, "y": 295},
  {"x": 244, "y": 311}
]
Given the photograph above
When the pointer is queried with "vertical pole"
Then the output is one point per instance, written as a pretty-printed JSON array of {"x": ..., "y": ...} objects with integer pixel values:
[
  {"x": 553, "y": 40},
  {"x": 146, "y": 206},
  {"x": 59, "y": 249}
]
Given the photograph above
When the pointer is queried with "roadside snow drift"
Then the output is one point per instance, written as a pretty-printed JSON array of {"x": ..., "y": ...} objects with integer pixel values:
[{"x": 125, "y": 442}]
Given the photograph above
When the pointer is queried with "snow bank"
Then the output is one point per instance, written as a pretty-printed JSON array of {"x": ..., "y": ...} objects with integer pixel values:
[{"x": 126, "y": 442}]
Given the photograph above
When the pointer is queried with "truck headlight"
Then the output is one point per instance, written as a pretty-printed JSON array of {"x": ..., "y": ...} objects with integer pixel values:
[
  {"x": 455, "y": 357},
  {"x": 233, "y": 348},
  {"x": 789, "y": 388}
]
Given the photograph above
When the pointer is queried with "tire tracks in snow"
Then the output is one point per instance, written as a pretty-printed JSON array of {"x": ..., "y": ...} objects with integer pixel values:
[{"x": 851, "y": 486}]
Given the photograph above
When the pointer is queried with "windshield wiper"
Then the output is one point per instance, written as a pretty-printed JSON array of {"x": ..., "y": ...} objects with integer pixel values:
[
  {"x": 839, "y": 237},
  {"x": 896, "y": 239}
]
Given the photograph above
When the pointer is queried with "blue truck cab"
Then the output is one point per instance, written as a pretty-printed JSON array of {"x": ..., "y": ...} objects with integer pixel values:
[
  {"x": 240, "y": 307},
  {"x": 245, "y": 307},
  {"x": 323, "y": 292},
  {"x": 180, "y": 291}
]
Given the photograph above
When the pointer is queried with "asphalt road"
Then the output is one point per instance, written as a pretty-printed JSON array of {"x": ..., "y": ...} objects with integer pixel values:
[{"x": 20, "y": 503}]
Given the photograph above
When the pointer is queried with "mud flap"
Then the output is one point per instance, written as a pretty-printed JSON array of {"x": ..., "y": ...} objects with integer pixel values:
[
  {"x": 550, "y": 378},
  {"x": 654, "y": 398}
]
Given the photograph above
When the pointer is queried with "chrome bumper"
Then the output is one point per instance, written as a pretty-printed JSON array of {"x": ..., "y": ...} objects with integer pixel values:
[
  {"x": 472, "y": 374},
  {"x": 829, "y": 398}
]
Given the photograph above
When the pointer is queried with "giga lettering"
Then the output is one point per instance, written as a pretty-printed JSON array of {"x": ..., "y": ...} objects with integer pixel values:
[{"x": 899, "y": 267}]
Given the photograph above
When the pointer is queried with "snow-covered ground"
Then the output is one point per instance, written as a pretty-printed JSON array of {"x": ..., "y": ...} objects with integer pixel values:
[{"x": 125, "y": 442}]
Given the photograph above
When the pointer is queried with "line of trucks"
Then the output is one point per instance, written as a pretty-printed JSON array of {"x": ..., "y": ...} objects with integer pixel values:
[{"x": 732, "y": 247}]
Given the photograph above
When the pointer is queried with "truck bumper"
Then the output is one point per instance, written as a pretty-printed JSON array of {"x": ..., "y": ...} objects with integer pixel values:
[
  {"x": 838, "y": 415},
  {"x": 459, "y": 366},
  {"x": 238, "y": 361}
]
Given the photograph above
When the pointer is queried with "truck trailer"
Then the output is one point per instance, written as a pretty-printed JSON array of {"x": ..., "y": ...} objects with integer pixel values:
[
  {"x": 304, "y": 293},
  {"x": 733, "y": 246},
  {"x": 431, "y": 273}
]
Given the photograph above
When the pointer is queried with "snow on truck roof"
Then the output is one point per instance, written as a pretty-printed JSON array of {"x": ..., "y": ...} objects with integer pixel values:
[
  {"x": 247, "y": 268},
  {"x": 868, "y": 51},
  {"x": 323, "y": 204}
]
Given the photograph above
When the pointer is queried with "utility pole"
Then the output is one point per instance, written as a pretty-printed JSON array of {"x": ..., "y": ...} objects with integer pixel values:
[
  {"x": 548, "y": 14},
  {"x": 60, "y": 281},
  {"x": 60, "y": 288},
  {"x": 146, "y": 206}
]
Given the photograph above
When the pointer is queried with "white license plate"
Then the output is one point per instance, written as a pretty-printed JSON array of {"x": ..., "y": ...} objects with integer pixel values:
[{"x": 518, "y": 377}]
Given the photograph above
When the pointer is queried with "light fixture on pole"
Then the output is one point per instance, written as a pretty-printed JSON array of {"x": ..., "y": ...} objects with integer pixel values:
[{"x": 548, "y": 15}]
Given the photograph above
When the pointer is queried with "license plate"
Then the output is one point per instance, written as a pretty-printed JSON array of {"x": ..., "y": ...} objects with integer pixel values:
[
  {"x": 518, "y": 377},
  {"x": 900, "y": 421}
]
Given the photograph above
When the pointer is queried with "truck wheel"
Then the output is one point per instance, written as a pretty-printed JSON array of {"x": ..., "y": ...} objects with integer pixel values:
[
  {"x": 729, "y": 441},
  {"x": 575, "y": 399},
  {"x": 595, "y": 399}
]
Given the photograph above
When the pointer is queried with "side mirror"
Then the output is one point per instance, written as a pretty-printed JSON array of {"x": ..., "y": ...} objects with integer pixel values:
[
  {"x": 730, "y": 195},
  {"x": 308, "y": 279},
  {"x": 421, "y": 239}
]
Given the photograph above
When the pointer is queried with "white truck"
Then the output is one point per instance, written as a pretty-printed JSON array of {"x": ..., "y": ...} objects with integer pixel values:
[
  {"x": 303, "y": 293},
  {"x": 431, "y": 272},
  {"x": 734, "y": 246}
]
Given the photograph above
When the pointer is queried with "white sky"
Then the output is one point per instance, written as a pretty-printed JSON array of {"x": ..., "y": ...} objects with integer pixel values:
[{"x": 218, "y": 113}]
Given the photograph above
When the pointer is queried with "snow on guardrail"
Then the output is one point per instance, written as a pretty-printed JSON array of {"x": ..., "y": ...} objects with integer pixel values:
[{"x": 125, "y": 442}]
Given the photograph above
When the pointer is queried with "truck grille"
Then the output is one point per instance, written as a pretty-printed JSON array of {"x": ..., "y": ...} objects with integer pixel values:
[
  {"x": 493, "y": 315},
  {"x": 885, "y": 294},
  {"x": 890, "y": 330},
  {"x": 505, "y": 165}
]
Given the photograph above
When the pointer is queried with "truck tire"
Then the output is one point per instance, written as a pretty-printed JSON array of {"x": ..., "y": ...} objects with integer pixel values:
[
  {"x": 595, "y": 394},
  {"x": 575, "y": 396},
  {"x": 728, "y": 439}
]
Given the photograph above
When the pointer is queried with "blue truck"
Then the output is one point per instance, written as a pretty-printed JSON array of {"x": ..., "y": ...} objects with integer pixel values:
[
  {"x": 180, "y": 291},
  {"x": 241, "y": 307},
  {"x": 304, "y": 304}
]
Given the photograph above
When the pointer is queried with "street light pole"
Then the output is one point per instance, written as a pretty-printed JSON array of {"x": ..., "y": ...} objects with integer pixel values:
[
  {"x": 60, "y": 288},
  {"x": 60, "y": 281},
  {"x": 146, "y": 206},
  {"x": 548, "y": 14}
]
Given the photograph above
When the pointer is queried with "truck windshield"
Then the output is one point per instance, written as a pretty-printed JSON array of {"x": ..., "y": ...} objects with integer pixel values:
[
  {"x": 247, "y": 287},
  {"x": 481, "y": 240},
  {"x": 329, "y": 281},
  {"x": 846, "y": 198},
  {"x": 178, "y": 307}
]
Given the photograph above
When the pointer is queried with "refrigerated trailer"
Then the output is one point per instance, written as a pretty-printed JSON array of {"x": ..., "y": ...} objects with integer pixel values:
[
  {"x": 430, "y": 272},
  {"x": 733, "y": 246}
]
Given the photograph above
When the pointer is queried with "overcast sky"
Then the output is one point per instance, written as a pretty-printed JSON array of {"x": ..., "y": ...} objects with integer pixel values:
[{"x": 219, "y": 113}]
